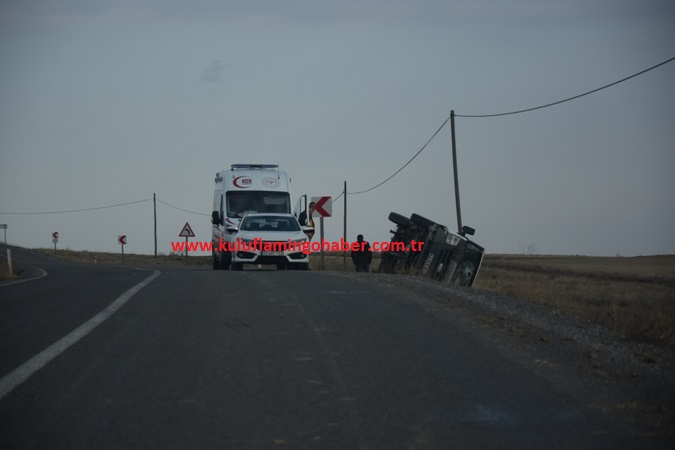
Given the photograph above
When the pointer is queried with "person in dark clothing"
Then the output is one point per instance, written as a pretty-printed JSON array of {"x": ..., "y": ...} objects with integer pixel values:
[
  {"x": 362, "y": 256},
  {"x": 306, "y": 220}
]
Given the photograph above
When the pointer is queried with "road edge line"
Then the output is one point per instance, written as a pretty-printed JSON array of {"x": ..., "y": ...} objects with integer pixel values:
[
  {"x": 37, "y": 362},
  {"x": 42, "y": 275}
]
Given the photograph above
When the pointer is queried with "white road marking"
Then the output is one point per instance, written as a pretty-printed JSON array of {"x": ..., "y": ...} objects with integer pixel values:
[
  {"x": 42, "y": 275},
  {"x": 21, "y": 374}
]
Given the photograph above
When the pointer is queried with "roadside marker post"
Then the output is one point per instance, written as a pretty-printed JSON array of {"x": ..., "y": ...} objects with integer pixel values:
[
  {"x": 122, "y": 241},
  {"x": 55, "y": 239},
  {"x": 186, "y": 232},
  {"x": 323, "y": 206},
  {"x": 3, "y": 226},
  {"x": 9, "y": 261}
]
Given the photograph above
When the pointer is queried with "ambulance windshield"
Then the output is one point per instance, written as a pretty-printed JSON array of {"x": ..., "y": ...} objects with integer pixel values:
[{"x": 240, "y": 202}]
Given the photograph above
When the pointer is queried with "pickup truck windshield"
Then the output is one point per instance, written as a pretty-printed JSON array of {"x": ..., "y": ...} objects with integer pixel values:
[{"x": 270, "y": 223}]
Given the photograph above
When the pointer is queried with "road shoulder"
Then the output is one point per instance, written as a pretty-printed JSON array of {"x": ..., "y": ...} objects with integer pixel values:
[{"x": 627, "y": 380}]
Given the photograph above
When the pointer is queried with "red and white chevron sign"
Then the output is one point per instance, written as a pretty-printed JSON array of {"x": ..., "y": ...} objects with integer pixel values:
[{"x": 323, "y": 206}]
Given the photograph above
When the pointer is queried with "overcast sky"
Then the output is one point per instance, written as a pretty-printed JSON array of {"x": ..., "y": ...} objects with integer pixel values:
[{"x": 107, "y": 102}]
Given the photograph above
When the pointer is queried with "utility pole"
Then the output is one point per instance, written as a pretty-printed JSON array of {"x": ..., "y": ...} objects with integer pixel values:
[
  {"x": 154, "y": 202},
  {"x": 454, "y": 165},
  {"x": 344, "y": 229}
]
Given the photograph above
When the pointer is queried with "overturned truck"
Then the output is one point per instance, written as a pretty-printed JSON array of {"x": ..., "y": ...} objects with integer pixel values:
[{"x": 450, "y": 258}]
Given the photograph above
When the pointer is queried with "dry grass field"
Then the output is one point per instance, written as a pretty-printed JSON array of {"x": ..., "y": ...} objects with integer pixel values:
[
  {"x": 129, "y": 259},
  {"x": 633, "y": 296}
]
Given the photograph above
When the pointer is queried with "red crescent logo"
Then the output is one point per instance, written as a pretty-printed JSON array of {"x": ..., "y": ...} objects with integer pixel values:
[{"x": 245, "y": 182}]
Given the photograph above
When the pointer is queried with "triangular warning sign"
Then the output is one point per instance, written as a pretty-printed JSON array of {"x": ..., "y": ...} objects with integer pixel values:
[{"x": 186, "y": 231}]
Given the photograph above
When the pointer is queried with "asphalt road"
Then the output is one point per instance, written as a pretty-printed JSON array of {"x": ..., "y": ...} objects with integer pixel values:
[{"x": 195, "y": 358}]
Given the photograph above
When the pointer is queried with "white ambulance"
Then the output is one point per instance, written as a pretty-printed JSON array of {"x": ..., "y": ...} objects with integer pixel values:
[{"x": 245, "y": 188}]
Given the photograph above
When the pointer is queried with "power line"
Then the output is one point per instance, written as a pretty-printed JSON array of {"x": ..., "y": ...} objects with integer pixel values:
[
  {"x": 100, "y": 207},
  {"x": 404, "y": 165},
  {"x": 568, "y": 99},
  {"x": 505, "y": 114},
  {"x": 392, "y": 175},
  {"x": 181, "y": 209},
  {"x": 75, "y": 210}
]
